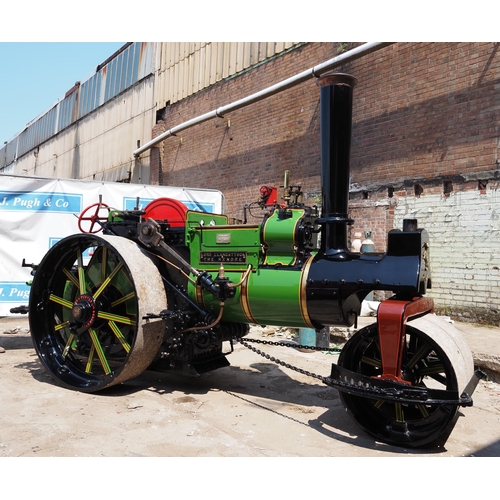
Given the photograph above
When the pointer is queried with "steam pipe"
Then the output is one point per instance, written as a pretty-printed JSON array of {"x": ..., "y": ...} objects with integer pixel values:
[{"x": 313, "y": 72}]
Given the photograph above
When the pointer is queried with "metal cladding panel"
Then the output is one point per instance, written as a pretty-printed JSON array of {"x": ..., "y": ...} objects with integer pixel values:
[
  {"x": 88, "y": 123},
  {"x": 188, "y": 67},
  {"x": 134, "y": 63},
  {"x": 98, "y": 145},
  {"x": 108, "y": 136},
  {"x": 8, "y": 153},
  {"x": 37, "y": 131},
  {"x": 54, "y": 157}
]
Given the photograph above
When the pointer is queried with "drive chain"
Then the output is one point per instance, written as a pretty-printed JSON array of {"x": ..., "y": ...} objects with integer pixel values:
[{"x": 245, "y": 342}]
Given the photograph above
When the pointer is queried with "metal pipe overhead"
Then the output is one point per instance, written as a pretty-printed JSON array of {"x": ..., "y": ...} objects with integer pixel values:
[{"x": 313, "y": 72}]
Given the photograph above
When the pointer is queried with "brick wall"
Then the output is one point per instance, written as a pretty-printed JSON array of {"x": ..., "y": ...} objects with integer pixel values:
[
  {"x": 464, "y": 230},
  {"x": 425, "y": 137},
  {"x": 426, "y": 111},
  {"x": 255, "y": 145}
]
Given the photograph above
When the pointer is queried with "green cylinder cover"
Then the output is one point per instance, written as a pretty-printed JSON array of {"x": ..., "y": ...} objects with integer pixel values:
[{"x": 266, "y": 297}]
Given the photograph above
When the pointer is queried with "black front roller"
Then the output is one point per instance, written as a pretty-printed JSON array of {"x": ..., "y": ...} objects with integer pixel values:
[
  {"x": 435, "y": 356},
  {"x": 87, "y": 303}
]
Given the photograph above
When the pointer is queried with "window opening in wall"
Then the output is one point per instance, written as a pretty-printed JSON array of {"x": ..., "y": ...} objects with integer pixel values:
[
  {"x": 418, "y": 189},
  {"x": 447, "y": 188},
  {"x": 481, "y": 186},
  {"x": 365, "y": 195},
  {"x": 160, "y": 114},
  {"x": 390, "y": 191}
]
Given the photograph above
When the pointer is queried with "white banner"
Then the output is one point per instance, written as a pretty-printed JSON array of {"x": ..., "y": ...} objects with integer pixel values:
[{"x": 35, "y": 213}]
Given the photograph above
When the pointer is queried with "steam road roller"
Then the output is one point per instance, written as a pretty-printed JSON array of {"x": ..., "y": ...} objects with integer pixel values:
[{"x": 171, "y": 289}]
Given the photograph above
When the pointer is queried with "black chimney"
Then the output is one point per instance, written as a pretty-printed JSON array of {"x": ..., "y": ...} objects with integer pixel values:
[{"x": 335, "y": 125}]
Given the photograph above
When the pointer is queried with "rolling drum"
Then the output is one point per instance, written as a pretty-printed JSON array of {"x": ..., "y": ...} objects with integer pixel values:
[
  {"x": 435, "y": 356},
  {"x": 88, "y": 301}
]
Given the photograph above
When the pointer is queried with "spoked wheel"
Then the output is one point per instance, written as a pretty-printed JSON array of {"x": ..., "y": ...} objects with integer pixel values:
[
  {"x": 87, "y": 303},
  {"x": 438, "y": 358},
  {"x": 101, "y": 213}
]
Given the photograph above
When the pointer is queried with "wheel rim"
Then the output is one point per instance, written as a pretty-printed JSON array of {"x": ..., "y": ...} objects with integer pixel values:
[
  {"x": 424, "y": 364},
  {"x": 87, "y": 303}
]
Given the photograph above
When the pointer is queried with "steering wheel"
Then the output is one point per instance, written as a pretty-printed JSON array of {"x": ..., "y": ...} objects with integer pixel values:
[{"x": 93, "y": 218}]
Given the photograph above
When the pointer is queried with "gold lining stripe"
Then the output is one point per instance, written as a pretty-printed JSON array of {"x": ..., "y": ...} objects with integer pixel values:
[
  {"x": 100, "y": 352},
  {"x": 116, "y": 318},
  {"x": 71, "y": 278},
  {"x": 226, "y": 269},
  {"x": 245, "y": 302},
  {"x": 302, "y": 292},
  {"x": 81, "y": 273},
  {"x": 108, "y": 280},
  {"x": 61, "y": 301},
  {"x": 67, "y": 347}
]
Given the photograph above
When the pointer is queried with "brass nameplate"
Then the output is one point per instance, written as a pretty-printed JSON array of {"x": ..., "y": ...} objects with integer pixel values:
[{"x": 223, "y": 238}]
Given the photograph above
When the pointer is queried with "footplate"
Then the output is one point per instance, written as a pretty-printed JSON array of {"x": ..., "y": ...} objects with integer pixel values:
[{"x": 372, "y": 388}]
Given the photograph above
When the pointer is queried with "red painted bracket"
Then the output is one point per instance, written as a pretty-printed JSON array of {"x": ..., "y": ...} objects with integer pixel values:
[{"x": 392, "y": 317}]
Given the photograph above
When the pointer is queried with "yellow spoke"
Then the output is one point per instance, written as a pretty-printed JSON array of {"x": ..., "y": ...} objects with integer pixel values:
[
  {"x": 60, "y": 326},
  {"x": 129, "y": 296},
  {"x": 371, "y": 361},
  {"x": 116, "y": 318},
  {"x": 119, "y": 336},
  {"x": 400, "y": 417},
  {"x": 99, "y": 350},
  {"x": 106, "y": 282},
  {"x": 104, "y": 260},
  {"x": 71, "y": 278},
  {"x": 420, "y": 354},
  {"x": 67, "y": 347},
  {"x": 81, "y": 273},
  {"x": 90, "y": 360},
  {"x": 60, "y": 300},
  {"x": 423, "y": 411},
  {"x": 432, "y": 369}
]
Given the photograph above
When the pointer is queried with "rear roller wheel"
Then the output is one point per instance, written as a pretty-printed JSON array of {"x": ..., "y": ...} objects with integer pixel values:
[
  {"x": 438, "y": 358},
  {"x": 87, "y": 303}
]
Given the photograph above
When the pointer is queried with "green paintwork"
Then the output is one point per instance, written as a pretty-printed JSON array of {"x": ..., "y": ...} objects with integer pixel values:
[
  {"x": 196, "y": 219},
  {"x": 235, "y": 246},
  {"x": 115, "y": 216},
  {"x": 271, "y": 294},
  {"x": 279, "y": 238},
  {"x": 273, "y": 298}
]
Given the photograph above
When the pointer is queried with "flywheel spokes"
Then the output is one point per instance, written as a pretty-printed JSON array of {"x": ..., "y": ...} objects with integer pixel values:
[
  {"x": 104, "y": 276},
  {"x": 85, "y": 314}
]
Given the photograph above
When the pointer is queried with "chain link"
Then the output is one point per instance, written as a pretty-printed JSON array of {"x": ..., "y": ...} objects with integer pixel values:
[
  {"x": 293, "y": 346},
  {"x": 246, "y": 341}
]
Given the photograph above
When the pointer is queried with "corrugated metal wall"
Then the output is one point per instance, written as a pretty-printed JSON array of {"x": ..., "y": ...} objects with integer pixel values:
[
  {"x": 90, "y": 133},
  {"x": 134, "y": 62},
  {"x": 188, "y": 67}
]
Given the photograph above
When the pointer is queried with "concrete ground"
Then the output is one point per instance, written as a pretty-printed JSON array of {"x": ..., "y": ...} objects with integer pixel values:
[{"x": 254, "y": 408}]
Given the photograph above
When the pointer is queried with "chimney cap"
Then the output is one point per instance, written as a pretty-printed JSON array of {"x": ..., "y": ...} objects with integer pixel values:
[{"x": 337, "y": 79}]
